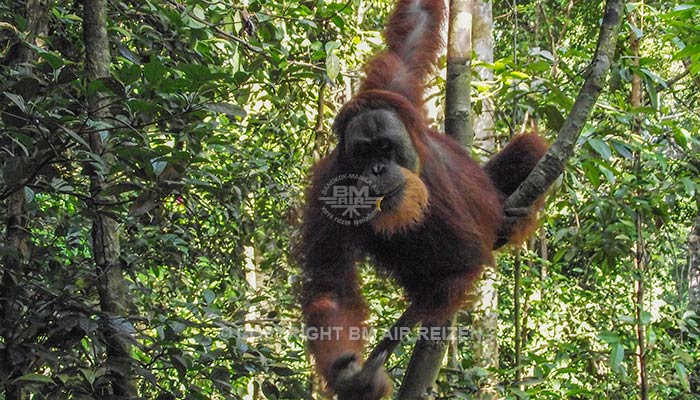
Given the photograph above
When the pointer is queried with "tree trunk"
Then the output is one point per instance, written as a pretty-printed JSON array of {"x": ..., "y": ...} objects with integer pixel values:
[
  {"x": 105, "y": 230},
  {"x": 424, "y": 366},
  {"x": 517, "y": 308},
  {"x": 640, "y": 264},
  {"x": 320, "y": 139},
  {"x": 457, "y": 87},
  {"x": 428, "y": 355},
  {"x": 485, "y": 312},
  {"x": 640, "y": 253},
  {"x": 694, "y": 265},
  {"x": 484, "y": 332},
  {"x": 36, "y": 15},
  {"x": 16, "y": 240},
  {"x": 482, "y": 40}
]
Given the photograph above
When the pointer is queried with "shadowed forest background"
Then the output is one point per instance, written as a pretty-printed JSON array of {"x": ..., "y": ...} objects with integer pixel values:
[{"x": 154, "y": 156}]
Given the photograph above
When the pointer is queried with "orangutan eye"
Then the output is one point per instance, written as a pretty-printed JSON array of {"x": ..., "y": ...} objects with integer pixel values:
[{"x": 383, "y": 145}]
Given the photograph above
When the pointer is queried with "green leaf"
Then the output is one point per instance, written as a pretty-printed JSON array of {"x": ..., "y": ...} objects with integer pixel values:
[
  {"x": 270, "y": 390},
  {"x": 198, "y": 12},
  {"x": 18, "y": 100},
  {"x": 687, "y": 51},
  {"x": 28, "y": 194},
  {"x": 115, "y": 86},
  {"x": 120, "y": 188},
  {"x": 282, "y": 370},
  {"x": 622, "y": 149},
  {"x": 330, "y": 46},
  {"x": 684, "y": 356},
  {"x": 683, "y": 375},
  {"x": 55, "y": 60},
  {"x": 76, "y": 137},
  {"x": 196, "y": 72},
  {"x": 128, "y": 54},
  {"x": 332, "y": 66},
  {"x": 651, "y": 337},
  {"x": 681, "y": 136},
  {"x": 609, "y": 337},
  {"x": 158, "y": 166},
  {"x": 555, "y": 119},
  {"x": 600, "y": 147},
  {"x": 179, "y": 364},
  {"x": 232, "y": 110},
  {"x": 637, "y": 32},
  {"x": 154, "y": 71},
  {"x": 209, "y": 296},
  {"x": 66, "y": 75},
  {"x": 517, "y": 75},
  {"x": 617, "y": 354},
  {"x": 130, "y": 73},
  {"x": 519, "y": 393},
  {"x": 592, "y": 172},
  {"x": 35, "y": 378},
  {"x": 105, "y": 85},
  {"x": 689, "y": 185},
  {"x": 683, "y": 7},
  {"x": 338, "y": 21}
]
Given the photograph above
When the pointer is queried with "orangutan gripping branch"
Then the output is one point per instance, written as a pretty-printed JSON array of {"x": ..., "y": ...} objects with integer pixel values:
[{"x": 404, "y": 195}]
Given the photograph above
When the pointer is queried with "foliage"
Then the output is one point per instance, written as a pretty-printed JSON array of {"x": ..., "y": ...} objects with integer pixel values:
[{"x": 213, "y": 123}]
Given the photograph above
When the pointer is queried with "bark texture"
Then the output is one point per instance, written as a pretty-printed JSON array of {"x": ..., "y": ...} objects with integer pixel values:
[
  {"x": 482, "y": 41},
  {"x": 424, "y": 366},
  {"x": 485, "y": 312},
  {"x": 16, "y": 233},
  {"x": 694, "y": 268},
  {"x": 457, "y": 87},
  {"x": 105, "y": 230}
]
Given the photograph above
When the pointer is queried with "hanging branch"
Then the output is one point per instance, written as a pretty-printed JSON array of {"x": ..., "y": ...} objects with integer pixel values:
[{"x": 554, "y": 161}]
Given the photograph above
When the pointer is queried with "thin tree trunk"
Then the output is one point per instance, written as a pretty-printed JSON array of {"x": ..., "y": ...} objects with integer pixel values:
[
  {"x": 320, "y": 139},
  {"x": 428, "y": 355},
  {"x": 484, "y": 329},
  {"x": 36, "y": 15},
  {"x": 694, "y": 267},
  {"x": 640, "y": 253},
  {"x": 105, "y": 230},
  {"x": 16, "y": 240},
  {"x": 482, "y": 40},
  {"x": 485, "y": 312},
  {"x": 640, "y": 263},
  {"x": 457, "y": 86},
  {"x": 424, "y": 366},
  {"x": 516, "y": 315},
  {"x": 544, "y": 254},
  {"x": 254, "y": 282}
]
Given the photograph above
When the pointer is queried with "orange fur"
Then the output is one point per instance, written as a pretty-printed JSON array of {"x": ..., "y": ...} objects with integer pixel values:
[
  {"x": 323, "y": 304},
  {"x": 409, "y": 212},
  {"x": 523, "y": 229},
  {"x": 336, "y": 319}
]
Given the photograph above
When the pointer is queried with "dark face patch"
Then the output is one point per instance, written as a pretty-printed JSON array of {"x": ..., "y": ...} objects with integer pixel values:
[{"x": 377, "y": 146}]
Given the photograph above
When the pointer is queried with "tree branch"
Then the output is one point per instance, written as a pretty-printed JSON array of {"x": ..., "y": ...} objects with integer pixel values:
[
  {"x": 394, "y": 335},
  {"x": 554, "y": 161}
]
